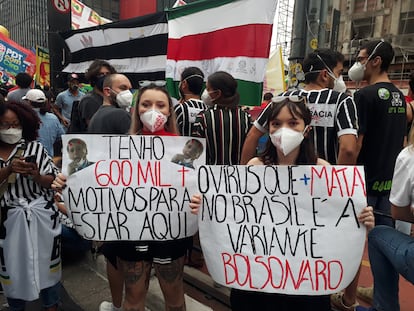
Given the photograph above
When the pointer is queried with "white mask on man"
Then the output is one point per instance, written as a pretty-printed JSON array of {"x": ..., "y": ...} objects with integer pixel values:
[
  {"x": 124, "y": 99},
  {"x": 356, "y": 72}
]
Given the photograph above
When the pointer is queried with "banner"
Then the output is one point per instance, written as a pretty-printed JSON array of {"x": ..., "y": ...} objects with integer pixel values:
[
  {"x": 275, "y": 73},
  {"x": 83, "y": 16},
  {"x": 284, "y": 229},
  {"x": 14, "y": 59},
  {"x": 136, "y": 47},
  {"x": 42, "y": 66},
  {"x": 227, "y": 35},
  {"x": 131, "y": 187}
]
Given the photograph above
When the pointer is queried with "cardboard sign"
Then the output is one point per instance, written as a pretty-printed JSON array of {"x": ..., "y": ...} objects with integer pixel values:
[
  {"x": 285, "y": 229},
  {"x": 131, "y": 187}
]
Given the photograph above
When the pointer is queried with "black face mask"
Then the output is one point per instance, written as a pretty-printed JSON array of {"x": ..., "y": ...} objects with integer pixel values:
[
  {"x": 74, "y": 87},
  {"x": 99, "y": 82}
]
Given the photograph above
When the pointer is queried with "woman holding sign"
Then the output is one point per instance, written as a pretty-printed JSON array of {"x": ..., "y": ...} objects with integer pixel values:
[
  {"x": 288, "y": 144},
  {"x": 154, "y": 115}
]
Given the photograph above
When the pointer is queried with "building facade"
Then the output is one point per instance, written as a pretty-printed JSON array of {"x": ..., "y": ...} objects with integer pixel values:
[
  {"x": 392, "y": 20},
  {"x": 26, "y": 21}
]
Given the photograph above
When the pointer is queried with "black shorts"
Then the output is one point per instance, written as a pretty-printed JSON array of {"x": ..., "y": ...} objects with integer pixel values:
[
  {"x": 161, "y": 252},
  {"x": 109, "y": 250}
]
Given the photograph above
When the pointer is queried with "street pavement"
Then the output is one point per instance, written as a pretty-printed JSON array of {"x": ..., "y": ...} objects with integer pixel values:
[{"x": 86, "y": 286}]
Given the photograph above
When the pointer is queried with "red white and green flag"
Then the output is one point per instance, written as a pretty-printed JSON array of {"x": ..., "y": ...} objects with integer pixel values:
[{"x": 227, "y": 35}]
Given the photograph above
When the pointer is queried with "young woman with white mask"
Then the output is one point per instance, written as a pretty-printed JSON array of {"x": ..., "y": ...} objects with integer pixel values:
[
  {"x": 153, "y": 115},
  {"x": 289, "y": 144}
]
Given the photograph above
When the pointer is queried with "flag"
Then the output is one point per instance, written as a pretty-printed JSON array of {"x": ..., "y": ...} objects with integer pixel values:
[
  {"x": 83, "y": 16},
  {"x": 275, "y": 73},
  {"x": 42, "y": 66},
  {"x": 136, "y": 47},
  {"x": 228, "y": 35},
  {"x": 14, "y": 59}
]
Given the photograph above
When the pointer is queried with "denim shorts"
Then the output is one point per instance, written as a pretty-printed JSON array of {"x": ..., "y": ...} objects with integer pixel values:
[{"x": 49, "y": 297}]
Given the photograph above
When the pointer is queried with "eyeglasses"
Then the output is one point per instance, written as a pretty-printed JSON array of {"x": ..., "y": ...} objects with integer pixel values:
[
  {"x": 291, "y": 98},
  {"x": 6, "y": 126},
  {"x": 361, "y": 58},
  {"x": 145, "y": 83}
]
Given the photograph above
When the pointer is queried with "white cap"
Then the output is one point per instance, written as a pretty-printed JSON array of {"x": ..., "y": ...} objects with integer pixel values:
[{"x": 35, "y": 95}]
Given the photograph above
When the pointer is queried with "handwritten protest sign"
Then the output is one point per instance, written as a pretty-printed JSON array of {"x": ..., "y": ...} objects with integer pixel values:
[
  {"x": 286, "y": 229},
  {"x": 131, "y": 187}
]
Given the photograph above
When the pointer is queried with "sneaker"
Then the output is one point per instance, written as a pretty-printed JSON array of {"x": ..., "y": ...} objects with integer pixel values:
[
  {"x": 365, "y": 294},
  {"x": 108, "y": 306},
  {"x": 337, "y": 303}
]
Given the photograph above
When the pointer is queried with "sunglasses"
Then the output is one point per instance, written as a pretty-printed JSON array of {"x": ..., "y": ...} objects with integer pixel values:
[
  {"x": 145, "y": 83},
  {"x": 291, "y": 98}
]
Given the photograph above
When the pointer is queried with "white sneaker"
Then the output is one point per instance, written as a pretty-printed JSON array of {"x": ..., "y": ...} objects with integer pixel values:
[{"x": 108, "y": 306}]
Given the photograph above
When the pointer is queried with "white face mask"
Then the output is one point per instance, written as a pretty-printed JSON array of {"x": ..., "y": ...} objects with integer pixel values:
[
  {"x": 339, "y": 85},
  {"x": 124, "y": 99},
  {"x": 11, "y": 136},
  {"x": 286, "y": 139},
  {"x": 356, "y": 72},
  {"x": 206, "y": 98},
  {"x": 153, "y": 120}
]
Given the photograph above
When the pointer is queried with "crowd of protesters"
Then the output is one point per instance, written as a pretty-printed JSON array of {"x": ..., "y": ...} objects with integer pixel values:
[{"x": 372, "y": 127}]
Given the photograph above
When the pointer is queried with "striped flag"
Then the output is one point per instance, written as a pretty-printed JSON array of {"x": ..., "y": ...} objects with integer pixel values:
[
  {"x": 228, "y": 35},
  {"x": 136, "y": 47}
]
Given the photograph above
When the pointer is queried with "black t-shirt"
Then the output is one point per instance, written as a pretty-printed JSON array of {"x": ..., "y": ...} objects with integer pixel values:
[
  {"x": 110, "y": 120},
  {"x": 88, "y": 105},
  {"x": 333, "y": 114},
  {"x": 382, "y": 121}
]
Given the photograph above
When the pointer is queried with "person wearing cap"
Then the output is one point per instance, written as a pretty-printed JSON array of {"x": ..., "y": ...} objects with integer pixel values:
[
  {"x": 64, "y": 101},
  {"x": 50, "y": 130}
]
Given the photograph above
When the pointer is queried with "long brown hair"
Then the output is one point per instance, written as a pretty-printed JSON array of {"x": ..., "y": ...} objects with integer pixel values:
[
  {"x": 307, "y": 153},
  {"x": 136, "y": 124}
]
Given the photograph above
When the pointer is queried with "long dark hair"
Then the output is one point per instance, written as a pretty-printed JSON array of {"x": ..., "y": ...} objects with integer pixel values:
[
  {"x": 28, "y": 118},
  {"x": 307, "y": 154}
]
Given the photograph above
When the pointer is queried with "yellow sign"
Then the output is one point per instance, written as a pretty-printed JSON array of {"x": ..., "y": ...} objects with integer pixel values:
[
  {"x": 314, "y": 43},
  {"x": 42, "y": 66}
]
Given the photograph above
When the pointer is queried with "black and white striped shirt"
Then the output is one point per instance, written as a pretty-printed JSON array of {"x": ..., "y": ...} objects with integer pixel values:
[
  {"x": 25, "y": 188},
  {"x": 186, "y": 114},
  {"x": 333, "y": 114},
  {"x": 225, "y": 130}
]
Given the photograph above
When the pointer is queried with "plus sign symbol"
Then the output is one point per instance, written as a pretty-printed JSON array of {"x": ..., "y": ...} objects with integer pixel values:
[{"x": 63, "y": 6}]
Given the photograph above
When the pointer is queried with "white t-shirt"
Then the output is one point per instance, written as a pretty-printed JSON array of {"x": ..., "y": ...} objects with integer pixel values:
[{"x": 402, "y": 190}]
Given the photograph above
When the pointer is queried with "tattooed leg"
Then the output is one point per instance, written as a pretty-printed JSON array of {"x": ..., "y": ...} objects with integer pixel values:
[
  {"x": 136, "y": 276},
  {"x": 170, "y": 277}
]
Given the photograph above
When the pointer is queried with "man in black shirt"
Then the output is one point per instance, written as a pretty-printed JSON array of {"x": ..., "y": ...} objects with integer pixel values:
[{"x": 382, "y": 115}]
